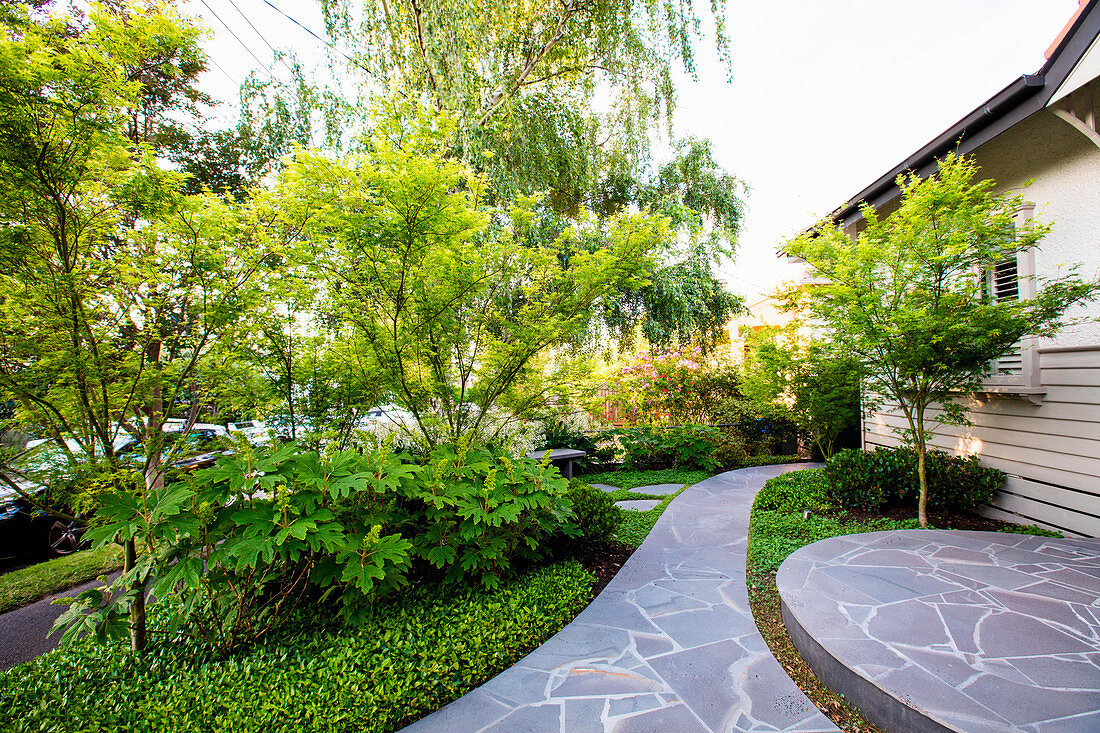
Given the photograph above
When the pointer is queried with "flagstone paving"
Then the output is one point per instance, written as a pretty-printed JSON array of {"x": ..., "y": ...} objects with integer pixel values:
[
  {"x": 605, "y": 487},
  {"x": 669, "y": 645},
  {"x": 961, "y": 631},
  {"x": 657, "y": 489},
  {"x": 638, "y": 505}
]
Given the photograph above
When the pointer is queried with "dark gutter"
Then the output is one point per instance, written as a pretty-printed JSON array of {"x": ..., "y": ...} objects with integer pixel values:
[{"x": 1025, "y": 96}]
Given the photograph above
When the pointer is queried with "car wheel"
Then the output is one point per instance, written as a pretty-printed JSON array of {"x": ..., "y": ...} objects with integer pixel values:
[{"x": 62, "y": 538}]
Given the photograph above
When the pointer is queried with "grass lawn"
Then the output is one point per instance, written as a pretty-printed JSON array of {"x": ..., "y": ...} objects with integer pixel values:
[
  {"x": 776, "y": 530},
  {"x": 633, "y": 479},
  {"x": 636, "y": 525},
  {"x": 26, "y": 585}
]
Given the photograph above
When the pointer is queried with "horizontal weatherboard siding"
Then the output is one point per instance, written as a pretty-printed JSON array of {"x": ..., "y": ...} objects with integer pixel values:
[{"x": 1050, "y": 451}]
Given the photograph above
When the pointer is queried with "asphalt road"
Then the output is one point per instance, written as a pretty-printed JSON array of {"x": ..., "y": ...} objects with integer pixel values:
[{"x": 23, "y": 631}]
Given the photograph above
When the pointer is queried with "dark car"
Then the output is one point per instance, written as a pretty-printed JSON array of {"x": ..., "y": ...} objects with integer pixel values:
[
  {"x": 41, "y": 471},
  {"x": 27, "y": 530}
]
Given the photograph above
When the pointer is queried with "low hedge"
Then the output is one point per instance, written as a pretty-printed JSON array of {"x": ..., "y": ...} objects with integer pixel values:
[
  {"x": 883, "y": 477},
  {"x": 410, "y": 656},
  {"x": 796, "y": 491},
  {"x": 594, "y": 513},
  {"x": 777, "y": 527}
]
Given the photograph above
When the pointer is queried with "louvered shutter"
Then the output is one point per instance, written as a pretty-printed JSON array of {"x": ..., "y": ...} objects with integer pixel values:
[{"x": 1003, "y": 282}]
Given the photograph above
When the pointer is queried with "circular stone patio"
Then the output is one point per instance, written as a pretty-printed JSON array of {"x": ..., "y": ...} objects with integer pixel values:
[{"x": 932, "y": 630}]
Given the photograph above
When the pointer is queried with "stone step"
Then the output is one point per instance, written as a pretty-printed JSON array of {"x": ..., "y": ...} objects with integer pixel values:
[
  {"x": 638, "y": 505},
  {"x": 658, "y": 489}
]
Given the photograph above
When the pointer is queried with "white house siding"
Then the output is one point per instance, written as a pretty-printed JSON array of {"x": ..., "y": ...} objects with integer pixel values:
[
  {"x": 1064, "y": 167},
  {"x": 1050, "y": 451}
]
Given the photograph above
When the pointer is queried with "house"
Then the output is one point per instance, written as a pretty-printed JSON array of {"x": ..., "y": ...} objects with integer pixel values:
[
  {"x": 765, "y": 313},
  {"x": 1038, "y": 419}
]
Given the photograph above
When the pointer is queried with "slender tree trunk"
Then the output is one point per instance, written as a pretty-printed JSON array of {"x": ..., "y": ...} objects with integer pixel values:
[
  {"x": 154, "y": 480},
  {"x": 922, "y": 476},
  {"x": 137, "y": 608},
  {"x": 290, "y": 385}
]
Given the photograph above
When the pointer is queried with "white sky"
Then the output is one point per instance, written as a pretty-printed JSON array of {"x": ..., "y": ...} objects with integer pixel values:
[{"x": 827, "y": 95}]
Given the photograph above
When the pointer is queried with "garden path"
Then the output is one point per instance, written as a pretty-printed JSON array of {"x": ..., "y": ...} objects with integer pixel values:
[{"x": 669, "y": 645}]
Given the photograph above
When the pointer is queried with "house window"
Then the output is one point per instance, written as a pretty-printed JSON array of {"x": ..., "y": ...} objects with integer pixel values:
[
  {"x": 1002, "y": 283},
  {"x": 1013, "y": 279}
]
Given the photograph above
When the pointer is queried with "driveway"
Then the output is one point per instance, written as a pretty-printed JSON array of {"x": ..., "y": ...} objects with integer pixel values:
[{"x": 24, "y": 631}]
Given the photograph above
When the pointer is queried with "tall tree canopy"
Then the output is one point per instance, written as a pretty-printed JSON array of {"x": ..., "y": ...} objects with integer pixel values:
[
  {"x": 113, "y": 285},
  {"x": 452, "y": 302},
  {"x": 564, "y": 97}
]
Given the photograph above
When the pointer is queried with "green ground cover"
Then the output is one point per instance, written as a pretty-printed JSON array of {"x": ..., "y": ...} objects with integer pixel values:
[
  {"x": 29, "y": 584},
  {"x": 633, "y": 479},
  {"x": 410, "y": 656},
  {"x": 636, "y": 525}
]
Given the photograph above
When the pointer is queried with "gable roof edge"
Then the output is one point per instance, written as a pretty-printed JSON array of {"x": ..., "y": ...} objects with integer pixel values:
[{"x": 1025, "y": 96}]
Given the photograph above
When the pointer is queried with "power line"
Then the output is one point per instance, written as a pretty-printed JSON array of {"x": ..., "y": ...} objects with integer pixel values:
[
  {"x": 243, "y": 45},
  {"x": 275, "y": 54},
  {"x": 219, "y": 68},
  {"x": 310, "y": 32}
]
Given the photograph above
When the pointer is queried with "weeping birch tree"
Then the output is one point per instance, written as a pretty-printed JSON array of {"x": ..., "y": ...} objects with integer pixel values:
[{"x": 564, "y": 97}]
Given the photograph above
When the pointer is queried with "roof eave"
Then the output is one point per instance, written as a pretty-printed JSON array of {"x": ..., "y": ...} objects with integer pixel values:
[{"x": 1025, "y": 96}]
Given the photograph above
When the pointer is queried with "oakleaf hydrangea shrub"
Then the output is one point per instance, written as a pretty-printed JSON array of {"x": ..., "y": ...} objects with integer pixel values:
[
  {"x": 239, "y": 545},
  {"x": 473, "y": 512},
  {"x": 594, "y": 513},
  {"x": 872, "y": 480}
]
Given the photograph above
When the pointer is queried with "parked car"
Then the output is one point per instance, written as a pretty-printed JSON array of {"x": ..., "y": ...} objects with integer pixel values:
[
  {"x": 26, "y": 529},
  {"x": 254, "y": 431},
  {"x": 41, "y": 469}
]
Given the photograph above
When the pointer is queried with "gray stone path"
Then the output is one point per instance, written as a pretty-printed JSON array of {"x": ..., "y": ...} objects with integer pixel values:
[
  {"x": 961, "y": 631},
  {"x": 658, "y": 489},
  {"x": 669, "y": 645},
  {"x": 605, "y": 487}
]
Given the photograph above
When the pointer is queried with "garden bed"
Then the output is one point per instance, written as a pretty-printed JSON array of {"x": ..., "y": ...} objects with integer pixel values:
[{"x": 411, "y": 655}]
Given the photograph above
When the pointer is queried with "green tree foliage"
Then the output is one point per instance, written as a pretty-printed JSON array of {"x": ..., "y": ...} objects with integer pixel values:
[
  {"x": 485, "y": 62},
  {"x": 819, "y": 388},
  {"x": 451, "y": 302},
  {"x": 907, "y": 298},
  {"x": 114, "y": 286},
  {"x": 563, "y": 98}
]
